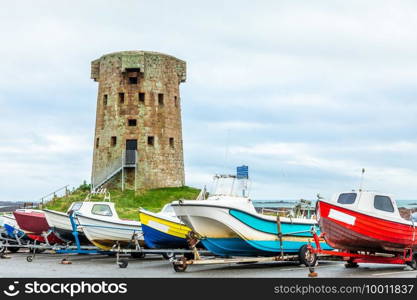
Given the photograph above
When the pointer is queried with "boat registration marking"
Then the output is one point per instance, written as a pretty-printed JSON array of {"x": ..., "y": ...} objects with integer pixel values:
[
  {"x": 342, "y": 217},
  {"x": 159, "y": 226}
]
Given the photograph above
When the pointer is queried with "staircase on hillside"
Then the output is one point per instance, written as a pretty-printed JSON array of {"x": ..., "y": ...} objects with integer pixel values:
[{"x": 128, "y": 159}]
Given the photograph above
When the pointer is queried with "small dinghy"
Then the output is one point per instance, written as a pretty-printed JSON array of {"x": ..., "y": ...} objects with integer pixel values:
[
  {"x": 35, "y": 226},
  {"x": 103, "y": 228},
  {"x": 366, "y": 221}
]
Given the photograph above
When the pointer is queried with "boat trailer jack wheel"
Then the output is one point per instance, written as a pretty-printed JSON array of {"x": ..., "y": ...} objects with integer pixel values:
[
  {"x": 181, "y": 265},
  {"x": 123, "y": 263},
  {"x": 29, "y": 258},
  {"x": 65, "y": 261}
]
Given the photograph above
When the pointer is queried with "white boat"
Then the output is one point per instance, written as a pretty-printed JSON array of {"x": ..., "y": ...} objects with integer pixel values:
[
  {"x": 230, "y": 226},
  {"x": 103, "y": 227}
]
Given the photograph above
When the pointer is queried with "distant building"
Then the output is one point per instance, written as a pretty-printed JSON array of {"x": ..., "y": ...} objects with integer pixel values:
[{"x": 138, "y": 135}]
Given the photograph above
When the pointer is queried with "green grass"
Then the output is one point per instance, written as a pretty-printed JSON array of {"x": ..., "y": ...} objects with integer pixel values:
[{"x": 128, "y": 202}]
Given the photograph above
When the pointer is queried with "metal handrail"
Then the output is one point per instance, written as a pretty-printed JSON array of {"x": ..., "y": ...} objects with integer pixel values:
[{"x": 54, "y": 194}]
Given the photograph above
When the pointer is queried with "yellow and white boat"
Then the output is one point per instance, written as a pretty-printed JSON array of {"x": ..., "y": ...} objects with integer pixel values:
[{"x": 163, "y": 230}]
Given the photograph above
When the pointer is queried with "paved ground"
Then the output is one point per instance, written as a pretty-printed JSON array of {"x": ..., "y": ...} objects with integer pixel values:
[{"x": 48, "y": 265}]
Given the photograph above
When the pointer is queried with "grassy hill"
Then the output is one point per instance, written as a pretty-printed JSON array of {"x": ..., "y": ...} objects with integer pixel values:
[{"x": 128, "y": 202}]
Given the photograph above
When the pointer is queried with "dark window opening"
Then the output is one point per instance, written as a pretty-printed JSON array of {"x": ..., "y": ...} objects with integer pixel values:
[
  {"x": 175, "y": 101},
  {"x": 347, "y": 198},
  {"x": 133, "y": 80},
  {"x": 105, "y": 100},
  {"x": 121, "y": 98},
  {"x": 131, "y": 122},
  {"x": 383, "y": 203},
  {"x": 171, "y": 142},
  {"x": 151, "y": 140},
  {"x": 142, "y": 97},
  {"x": 97, "y": 142},
  {"x": 161, "y": 99},
  {"x": 113, "y": 141}
]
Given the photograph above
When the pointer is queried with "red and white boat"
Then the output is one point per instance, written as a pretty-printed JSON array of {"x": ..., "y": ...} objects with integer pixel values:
[{"x": 366, "y": 221}]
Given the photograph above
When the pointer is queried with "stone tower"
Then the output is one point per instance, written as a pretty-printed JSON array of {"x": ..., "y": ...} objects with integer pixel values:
[{"x": 138, "y": 135}]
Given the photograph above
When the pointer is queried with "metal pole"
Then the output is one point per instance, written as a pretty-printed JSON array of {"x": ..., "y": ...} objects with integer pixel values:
[{"x": 123, "y": 172}]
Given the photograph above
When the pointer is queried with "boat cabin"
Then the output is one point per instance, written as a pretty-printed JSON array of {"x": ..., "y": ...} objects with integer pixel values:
[
  {"x": 373, "y": 203},
  {"x": 97, "y": 209}
]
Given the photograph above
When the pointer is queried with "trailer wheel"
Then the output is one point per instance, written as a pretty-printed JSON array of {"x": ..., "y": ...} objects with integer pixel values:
[
  {"x": 123, "y": 263},
  {"x": 306, "y": 257},
  {"x": 413, "y": 262},
  {"x": 29, "y": 258},
  {"x": 168, "y": 255},
  {"x": 180, "y": 265},
  {"x": 138, "y": 254},
  {"x": 14, "y": 249},
  {"x": 351, "y": 264}
]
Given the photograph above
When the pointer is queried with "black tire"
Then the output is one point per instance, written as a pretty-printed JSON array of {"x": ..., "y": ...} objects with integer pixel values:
[
  {"x": 306, "y": 257},
  {"x": 180, "y": 268},
  {"x": 13, "y": 249},
  {"x": 351, "y": 264},
  {"x": 168, "y": 255},
  {"x": 29, "y": 258},
  {"x": 137, "y": 254},
  {"x": 123, "y": 263},
  {"x": 413, "y": 262}
]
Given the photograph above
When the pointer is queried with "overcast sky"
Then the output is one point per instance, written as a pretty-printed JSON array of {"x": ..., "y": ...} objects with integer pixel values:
[{"x": 307, "y": 93}]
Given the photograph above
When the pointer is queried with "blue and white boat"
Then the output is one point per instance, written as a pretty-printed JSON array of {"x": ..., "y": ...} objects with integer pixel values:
[{"x": 229, "y": 225}]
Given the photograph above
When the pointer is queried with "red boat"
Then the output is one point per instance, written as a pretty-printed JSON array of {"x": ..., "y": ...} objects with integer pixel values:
[
  {"x": 366, "y": 221},
  {"x": 34, "y": 224}
]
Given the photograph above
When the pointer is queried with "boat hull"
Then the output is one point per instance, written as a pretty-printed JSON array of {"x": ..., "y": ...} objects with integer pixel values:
[
  {"x": 60, "y": 224},
  {"x": 355, "y": 231},
  {"x": 228, "y": 231},
  {"x": 105, "y": 234}
]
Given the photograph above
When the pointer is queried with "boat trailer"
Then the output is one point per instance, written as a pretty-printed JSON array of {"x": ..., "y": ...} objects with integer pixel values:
[
  {"x": 353, "y": 258},
  {"x": 134, "y": 249},
  {"x": 180, "y": 265}
]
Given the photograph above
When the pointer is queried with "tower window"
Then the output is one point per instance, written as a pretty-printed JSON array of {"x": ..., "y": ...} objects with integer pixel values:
[
  {"x": 175, "y": 101},
  {"x": 161, "y": 99},
  {"x": 133, "y": 80},
  {"x": 151, "y": 140},
  {"x": 121, "y": 98},
  {"x": 113, "y": 141},
  {"x": 142, "y": 97},
  {"x": 105, "y": 100},
  {"x": 97, "y": 142},
  {"x": 131, "y": 122},
  {"x": 171, "y": 142}
]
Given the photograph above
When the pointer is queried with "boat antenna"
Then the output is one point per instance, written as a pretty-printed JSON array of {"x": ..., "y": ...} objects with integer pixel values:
[{"x": 361, "y": 185}]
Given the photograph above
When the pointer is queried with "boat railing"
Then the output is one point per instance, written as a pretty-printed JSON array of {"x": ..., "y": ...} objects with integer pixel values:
[{"x": 99, "y": 192}]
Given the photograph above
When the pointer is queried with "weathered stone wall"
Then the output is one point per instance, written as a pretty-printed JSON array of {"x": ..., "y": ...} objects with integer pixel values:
[{"x": 160, "y": 165}]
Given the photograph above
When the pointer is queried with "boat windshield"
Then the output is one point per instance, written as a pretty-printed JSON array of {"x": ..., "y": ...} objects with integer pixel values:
[
  {"x": 228, "y": 185},
  {"x": 76, "y": 206}
]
